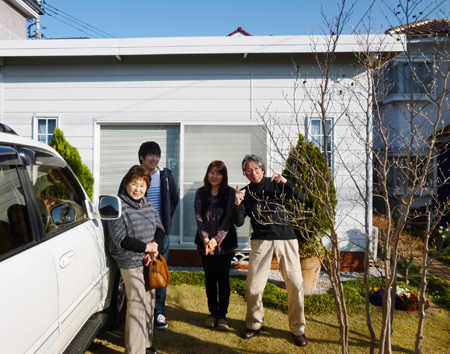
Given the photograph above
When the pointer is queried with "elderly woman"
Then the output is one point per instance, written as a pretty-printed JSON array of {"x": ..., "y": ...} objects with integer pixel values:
[{"x": 132, "y": 245}]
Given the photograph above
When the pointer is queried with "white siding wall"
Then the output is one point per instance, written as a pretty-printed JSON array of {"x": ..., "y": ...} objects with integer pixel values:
[
  {"x": 13, "y": 25},
  {"x": 228, "y": 93}
]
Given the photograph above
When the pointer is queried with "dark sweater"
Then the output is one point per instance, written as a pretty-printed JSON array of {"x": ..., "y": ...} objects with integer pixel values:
[
  {"x": 139, "y": 221},
  {"x": 263, "y": 204},
  {"x": 169, "y": 197},
  {"x": 214, "y": 217}
]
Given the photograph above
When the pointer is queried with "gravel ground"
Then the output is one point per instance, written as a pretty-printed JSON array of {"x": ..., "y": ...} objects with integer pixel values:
[{"x": 323, "y": 284}]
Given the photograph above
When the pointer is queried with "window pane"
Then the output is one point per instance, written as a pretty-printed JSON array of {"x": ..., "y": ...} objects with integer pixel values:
[
  {"x": 204, "y": 144},
  {"x": 230, "y": 144},
  {"x": 51, "y": 126},
  {"x": 189, "y": 222},
  {"x": 318, "y": 139},
  {"x": 119, "y": 146},
  {"x": 14, "y": 220},
  {"x": 42, "y": 126},
  {"x": 60, "y": 205},
  {"x": 328, "y": 126},
  {"x": 316, "y": 127},
  {"x": 42, "y": 139}
]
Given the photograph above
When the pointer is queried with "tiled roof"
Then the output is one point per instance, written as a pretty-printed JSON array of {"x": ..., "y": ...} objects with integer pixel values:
[
  {"x": 239, "y": 31},
  {"x": 424, "y": 27}
]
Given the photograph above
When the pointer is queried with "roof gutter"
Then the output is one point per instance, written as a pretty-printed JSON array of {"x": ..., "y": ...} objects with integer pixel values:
[{"x": 195, "y": 45}]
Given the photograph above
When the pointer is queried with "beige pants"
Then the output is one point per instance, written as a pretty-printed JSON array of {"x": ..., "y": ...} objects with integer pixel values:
[
  {"x": 260, "y": 260},
  {"x": 140, "y": 308}
]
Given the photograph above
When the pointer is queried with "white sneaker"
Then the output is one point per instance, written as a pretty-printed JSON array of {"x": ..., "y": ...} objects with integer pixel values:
[{"x": 161, "y": 322}]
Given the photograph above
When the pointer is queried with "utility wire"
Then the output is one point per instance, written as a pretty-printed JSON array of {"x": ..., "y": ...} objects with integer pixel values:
[{"x": 75, "y": 23}]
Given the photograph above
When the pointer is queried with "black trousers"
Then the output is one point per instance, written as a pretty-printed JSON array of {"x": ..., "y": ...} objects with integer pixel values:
[{"x": 217, "y": 274}]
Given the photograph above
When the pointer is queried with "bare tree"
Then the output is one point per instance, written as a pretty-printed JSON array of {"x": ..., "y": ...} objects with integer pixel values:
[
  {"x": 317, "y": 96},
  {"x": 407, "y": 151},
  {"x": 404, "y": 152}
]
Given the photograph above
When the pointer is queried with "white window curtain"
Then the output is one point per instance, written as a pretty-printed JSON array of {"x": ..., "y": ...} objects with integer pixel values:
[
  {"x": 204, "y": 144},
  {"x": 317, "y": 136}
]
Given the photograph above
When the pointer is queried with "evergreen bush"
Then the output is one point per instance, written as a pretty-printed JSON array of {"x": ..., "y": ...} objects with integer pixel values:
[
  {"x": 71, "y": 155},
  {"x": 307, "y": 163}
]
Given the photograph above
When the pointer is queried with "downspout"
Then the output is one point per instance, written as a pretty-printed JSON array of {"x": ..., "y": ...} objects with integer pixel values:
[
  {"x": 2, "y": 64},
  {"x": 251, "y": 89}
]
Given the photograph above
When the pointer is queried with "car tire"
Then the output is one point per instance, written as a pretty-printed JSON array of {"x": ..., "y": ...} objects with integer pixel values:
[{"x": 118, "y": 308}]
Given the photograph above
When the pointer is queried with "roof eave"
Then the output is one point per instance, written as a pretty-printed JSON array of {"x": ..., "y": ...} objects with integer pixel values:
[
  {"x": 195, "y": 45},
  {"x": 28, "y": 8}
]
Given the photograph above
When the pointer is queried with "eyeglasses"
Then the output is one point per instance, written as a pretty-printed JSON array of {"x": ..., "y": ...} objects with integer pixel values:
[
  {"x": 138, "y": 185},
  {"x": 251, "y": 170}
]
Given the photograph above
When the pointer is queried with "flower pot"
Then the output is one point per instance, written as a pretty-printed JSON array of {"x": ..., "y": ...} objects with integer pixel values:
[{"x": 310, "y": 272}]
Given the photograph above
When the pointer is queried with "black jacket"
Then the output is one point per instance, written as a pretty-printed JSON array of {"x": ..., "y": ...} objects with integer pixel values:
[{"x": 263, "y": 204}]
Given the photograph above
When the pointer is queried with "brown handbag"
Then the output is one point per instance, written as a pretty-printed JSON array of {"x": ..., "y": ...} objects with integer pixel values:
[{"x": 158, "y": 273}]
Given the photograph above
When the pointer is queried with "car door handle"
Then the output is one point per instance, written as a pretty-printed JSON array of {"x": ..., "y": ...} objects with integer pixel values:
[{"x": 67, "y": 259}]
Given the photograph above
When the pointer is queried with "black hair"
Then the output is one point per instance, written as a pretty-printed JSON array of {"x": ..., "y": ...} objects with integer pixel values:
[
  {"x": 222, "y": 169},
  {"x": 149, "y": 147}
]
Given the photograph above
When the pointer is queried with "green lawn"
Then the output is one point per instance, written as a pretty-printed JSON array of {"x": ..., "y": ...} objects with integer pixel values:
[{"x": 187, "y": 309}]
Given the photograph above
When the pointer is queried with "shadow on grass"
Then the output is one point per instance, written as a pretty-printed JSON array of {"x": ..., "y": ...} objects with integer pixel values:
[{"x": 186, "y": 334}]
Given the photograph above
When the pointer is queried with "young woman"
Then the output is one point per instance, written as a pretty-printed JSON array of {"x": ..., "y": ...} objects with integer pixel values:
[
  {"x": 216, "y": 239},
  {"x": 131, "y": 246}
]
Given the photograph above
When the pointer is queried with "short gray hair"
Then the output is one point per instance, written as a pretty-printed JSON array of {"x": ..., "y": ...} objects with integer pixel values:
[{"x": 258, "y": 160}]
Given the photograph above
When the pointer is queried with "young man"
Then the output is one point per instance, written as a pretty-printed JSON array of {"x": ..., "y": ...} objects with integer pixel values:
[
  {"x": 163, "y": 193},
  {"x": 262, "y": 201}
]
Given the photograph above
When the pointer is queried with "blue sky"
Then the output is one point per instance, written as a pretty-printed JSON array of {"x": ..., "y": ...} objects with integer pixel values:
[{"x": 192, "y": 18}]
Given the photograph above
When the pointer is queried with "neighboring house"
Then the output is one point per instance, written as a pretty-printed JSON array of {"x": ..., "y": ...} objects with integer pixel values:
[
  {"x": 199, "y": 98},
  {"x": 427, "y": 49},
  {"x": 14, "y": 15},
  {"x": 239, "y": 33}
]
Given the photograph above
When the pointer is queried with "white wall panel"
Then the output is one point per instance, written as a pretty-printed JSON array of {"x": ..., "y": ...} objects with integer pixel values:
[{"x": 132, "y": 96}]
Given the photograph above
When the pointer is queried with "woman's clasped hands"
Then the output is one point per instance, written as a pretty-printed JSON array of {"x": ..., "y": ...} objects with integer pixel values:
[{"x": 210, "y": 245}]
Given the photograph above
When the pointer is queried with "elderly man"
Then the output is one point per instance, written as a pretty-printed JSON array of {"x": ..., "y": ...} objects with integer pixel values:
[{"x": 262, "y": 201}]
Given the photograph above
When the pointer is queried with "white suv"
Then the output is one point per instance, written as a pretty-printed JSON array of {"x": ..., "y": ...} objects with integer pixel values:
[{"x": 56, "y": 277}]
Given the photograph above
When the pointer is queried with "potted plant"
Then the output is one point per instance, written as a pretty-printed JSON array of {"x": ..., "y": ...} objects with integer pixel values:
[{"x": 306, "y": 167}]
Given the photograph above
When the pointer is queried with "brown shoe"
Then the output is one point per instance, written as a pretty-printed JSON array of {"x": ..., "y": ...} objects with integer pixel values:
[
  {"x": 300, "y": 340},
  {"x": 250, "y": 333}
]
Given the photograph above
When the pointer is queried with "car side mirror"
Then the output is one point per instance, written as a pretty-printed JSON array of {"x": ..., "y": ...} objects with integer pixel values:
[
  {"x": 63, "y": 214},
  {"x": 109, "y": 207}
]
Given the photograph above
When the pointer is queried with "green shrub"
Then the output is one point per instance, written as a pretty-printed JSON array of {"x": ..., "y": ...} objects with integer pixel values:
[
  {"x": 437, "y": 289},
  {"x": 306, "y": 162},
  {"x": 185, "y": 277},
  {"x": 276, "y": 298},
  {"x": 273, "y": 297},
  {"x": 71, "y": 155}
]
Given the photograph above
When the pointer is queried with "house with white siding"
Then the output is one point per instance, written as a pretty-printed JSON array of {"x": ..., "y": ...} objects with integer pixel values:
[
  {"x": 14, "y": 15},
  {"x": 199, "y": 98},
  {"x": 417, "y": 78}
]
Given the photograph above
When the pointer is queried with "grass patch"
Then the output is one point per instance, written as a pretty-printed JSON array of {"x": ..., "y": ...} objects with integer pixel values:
[
  {"x": 445, "y": 258},
  {"x": 187, "y": 309},
  {"x": 276, "y": 298}
]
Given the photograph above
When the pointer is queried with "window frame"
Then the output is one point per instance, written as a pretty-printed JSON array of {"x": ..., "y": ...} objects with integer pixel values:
[
  {"x": 39, "y": 117},
  {"x": 394, "y": 175},
  {"x": 387, "y": 93},
  {"x": 309, "y": 137},
  {"x": 33, "y": 157}
]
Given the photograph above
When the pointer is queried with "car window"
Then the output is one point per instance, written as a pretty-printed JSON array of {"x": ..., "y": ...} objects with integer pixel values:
[
  {"x": 60, "y": 197},
  {"x": 14, "y": 216},
  {"x": 60, "y": 203}
]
